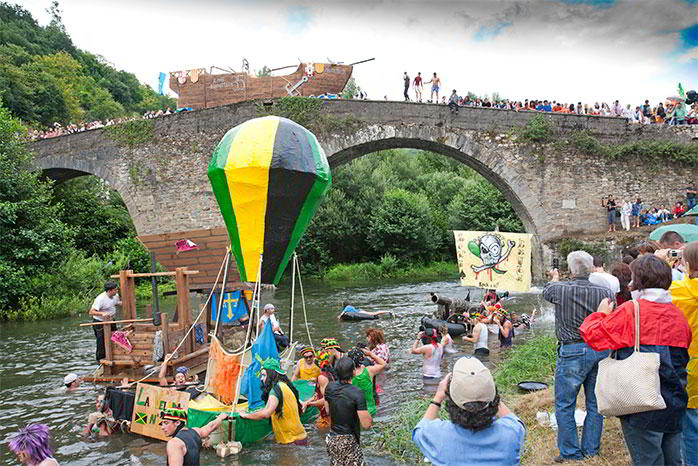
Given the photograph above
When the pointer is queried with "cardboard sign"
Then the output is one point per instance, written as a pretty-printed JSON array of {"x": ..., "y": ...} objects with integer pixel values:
[
  {"x": 496, "y": 260},
  {"x": 149, "y": 401}
]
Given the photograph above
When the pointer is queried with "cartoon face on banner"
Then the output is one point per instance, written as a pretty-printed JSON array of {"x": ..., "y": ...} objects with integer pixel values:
[{"x": 494, "y": 260}]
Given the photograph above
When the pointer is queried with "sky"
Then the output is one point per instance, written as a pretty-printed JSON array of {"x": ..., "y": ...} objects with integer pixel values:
[{"x": 564, "y": 50}]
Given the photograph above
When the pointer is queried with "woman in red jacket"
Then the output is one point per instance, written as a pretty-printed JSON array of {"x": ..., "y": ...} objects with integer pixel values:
[{"x": 653, "y": 437}]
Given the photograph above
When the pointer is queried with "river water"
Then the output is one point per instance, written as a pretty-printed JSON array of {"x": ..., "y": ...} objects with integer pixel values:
[{"x": 34, "y": 358}]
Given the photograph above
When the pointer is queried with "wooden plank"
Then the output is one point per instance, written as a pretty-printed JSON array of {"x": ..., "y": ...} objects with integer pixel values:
[
  {"x": 123, "y": 287},
  {"x": 144, "y": 353},
  {"x": 107, "y": 342},
  {"x": 90, "y": 324},
  {"x": 165, "y": 332},
  {"x": 157, "y": 274}
]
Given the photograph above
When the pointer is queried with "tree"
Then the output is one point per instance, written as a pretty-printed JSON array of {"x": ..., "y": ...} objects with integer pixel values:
[
  {"x": 350, "y": 90},
  {"x": 34, "y": 239},
  {"x": 480, "y": 206},
  {"x": 265, "y": 71}
]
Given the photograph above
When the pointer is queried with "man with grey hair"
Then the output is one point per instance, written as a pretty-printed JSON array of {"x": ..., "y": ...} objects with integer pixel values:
[{"x": 577, "y": 363}]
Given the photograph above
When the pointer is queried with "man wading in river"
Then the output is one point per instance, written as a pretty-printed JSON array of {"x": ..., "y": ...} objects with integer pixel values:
[{"x": 183, "y": 448}]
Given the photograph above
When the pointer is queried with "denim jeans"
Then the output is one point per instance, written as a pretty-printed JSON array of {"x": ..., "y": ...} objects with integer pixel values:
[
  {"x": 690, "y": 203},
  {"x": 649, "y": 448},
  {"x": 690, "y": 438},
  {"x": 577, "y": 365}
]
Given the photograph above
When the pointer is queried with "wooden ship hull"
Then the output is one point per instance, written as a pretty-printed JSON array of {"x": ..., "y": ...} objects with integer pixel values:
[{"x": 198, "y": 89}]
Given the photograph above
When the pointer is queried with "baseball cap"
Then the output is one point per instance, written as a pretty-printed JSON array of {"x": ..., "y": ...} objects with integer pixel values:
[
  {"x": 471, "y": 381},
  {"x": 70, "y": 378}
]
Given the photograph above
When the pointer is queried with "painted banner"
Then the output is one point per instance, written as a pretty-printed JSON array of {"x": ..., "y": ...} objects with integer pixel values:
[
  {"x": 495, "y": 260},
  {"x": 234, "y": 307},
  {"x": 150, "y": 400}
]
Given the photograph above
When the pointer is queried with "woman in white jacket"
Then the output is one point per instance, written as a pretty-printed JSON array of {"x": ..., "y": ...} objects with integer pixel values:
[{"x": 625, "y": 212}]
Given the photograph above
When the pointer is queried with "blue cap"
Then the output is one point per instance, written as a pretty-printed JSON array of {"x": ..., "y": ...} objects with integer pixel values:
[{"x": 182, "y": 370}]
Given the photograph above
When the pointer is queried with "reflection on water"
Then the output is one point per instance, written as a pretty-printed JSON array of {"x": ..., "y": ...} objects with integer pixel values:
[{"x": 34, "y": 358}]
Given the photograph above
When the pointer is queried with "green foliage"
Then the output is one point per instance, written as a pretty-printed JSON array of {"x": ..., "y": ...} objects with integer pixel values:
[
  {"x": 132, "y": 133},
  {"x": 96, "y": 213},
  {"x": 265, "y": 71},
  {"x": 595, "y": 248},
  {"x": 685, "y": 153},
  {"x": 538, "y": 129},
  {"x": 480, "y": 206},
  {"x": 534, "y": 360},
  {"x": 389, "y": 268},
  {"x": 44, "y": 78},
  {"x": 307, "y": 112},
  {"x": 33, "y": 237},
  {"x": 350, "y": 89}
]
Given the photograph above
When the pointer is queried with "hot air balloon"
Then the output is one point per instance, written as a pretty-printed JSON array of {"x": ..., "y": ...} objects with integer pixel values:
[{"x": 268, "y": 175}]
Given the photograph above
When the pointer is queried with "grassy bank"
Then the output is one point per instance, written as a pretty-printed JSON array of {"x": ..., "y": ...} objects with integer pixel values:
[
  {"x": 389, "y": 268},
  {"x": 533, "y": 360}
]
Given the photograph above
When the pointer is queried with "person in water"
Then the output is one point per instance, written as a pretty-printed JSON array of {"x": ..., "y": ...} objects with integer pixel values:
[
  {"x": 431, "y": 347},
  {"x": 71, "y": 382},
  {"x": 448, "y": 341},
  {"x": 283, "y": 405},
  {"x": 101, "y": 422},
  {"x": 32, "y": 446},
  {"x": 332, "y": 348},
  {"x": 479, "y": 336},
  {"x": 180, "y": 377},
  {"x": 327, "y": 375},
  {"x": 306, "y": 369},
  {"x": 506, "y": 329},
  {"x": 184, "y": 446},
  {"x": 348, "y": 309},
  {"x": 364, "y": 376}
]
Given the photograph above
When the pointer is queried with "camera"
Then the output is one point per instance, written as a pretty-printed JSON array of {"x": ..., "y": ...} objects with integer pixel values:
[
  {"x": 556, "y": 262},
  {"x": 422, "y": 328},
  {"x": 674, "y": 253}
]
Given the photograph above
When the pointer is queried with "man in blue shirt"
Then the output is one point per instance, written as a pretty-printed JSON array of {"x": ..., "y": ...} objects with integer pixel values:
[
  {"x": 481, "y": 429},
  {"x": 349, "y": 309}
]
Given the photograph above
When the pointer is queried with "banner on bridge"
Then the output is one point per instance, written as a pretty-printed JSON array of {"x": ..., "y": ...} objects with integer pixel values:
[{"x": 495, "y": 260}]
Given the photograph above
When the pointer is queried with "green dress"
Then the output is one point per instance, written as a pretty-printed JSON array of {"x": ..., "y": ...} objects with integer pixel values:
[{"x": 365, "y": 384}]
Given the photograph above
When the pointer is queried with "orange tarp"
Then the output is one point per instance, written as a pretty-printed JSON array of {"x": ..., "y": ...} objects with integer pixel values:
[{"x": 225, "y": 370}]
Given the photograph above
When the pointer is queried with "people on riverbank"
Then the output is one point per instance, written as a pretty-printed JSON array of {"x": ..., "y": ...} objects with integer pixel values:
[
  {"x": 282, "y": 405},
  {"x": 306, "y": 368},
  {"x": 431, "y": 347},
  {"x": 185, "y": 445},
  {"x": 610, "y": 204},
  {"x": 480, "y": 428},
  {"x": 282, "y": 340},
  {"x": 347, "y": 308},
  {"x": 684, "y": 294},
  {"x": 652, "y": 437},
  {"x": 577, "y": 363},
  {"x": 600, "y": 277},
  {"x": 348, "y": 414},
  {"x": 622, "y": 272},
  {"x": 104, "y": 309},
  {"x": 32, "y": 445},
  {"x": 479, "y": 336}
]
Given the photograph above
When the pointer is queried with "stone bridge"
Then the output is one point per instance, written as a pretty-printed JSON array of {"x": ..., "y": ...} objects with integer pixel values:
[{"x": 554, "y": 188}]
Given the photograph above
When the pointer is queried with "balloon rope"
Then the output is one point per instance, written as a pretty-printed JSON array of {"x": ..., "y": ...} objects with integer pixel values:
[
  {"x": 157, "y": 368},
  {"x": 255, "y": 303},
  {"x": 293, "y": 295},
  {"x": 300, "y": 285},
  {"x": 225, "y": 281}
]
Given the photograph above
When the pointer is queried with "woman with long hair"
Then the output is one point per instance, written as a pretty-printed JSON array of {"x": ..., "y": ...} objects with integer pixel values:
[
  {"x": 622, "y": 272},
  {"x": 653, "y": 437},
  {"x": 282, "y": 405},
  {"x": 376, "y": 343}
]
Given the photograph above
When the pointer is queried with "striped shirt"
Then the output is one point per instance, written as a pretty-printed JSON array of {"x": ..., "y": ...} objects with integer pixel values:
[{"x": 573, "y": 300}]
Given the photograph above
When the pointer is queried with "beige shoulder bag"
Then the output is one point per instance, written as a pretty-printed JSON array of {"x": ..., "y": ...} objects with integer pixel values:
[{"x": 632, "y": 385}]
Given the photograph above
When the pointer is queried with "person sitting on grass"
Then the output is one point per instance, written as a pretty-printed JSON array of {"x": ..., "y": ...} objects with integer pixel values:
[
  {"x": 348, "y": 308},
  {"x": 283, "y": 405},
  {"x": 480, "y": 427}
]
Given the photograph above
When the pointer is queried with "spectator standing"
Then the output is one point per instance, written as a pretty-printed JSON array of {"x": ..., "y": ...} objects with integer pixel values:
[
  {"x": 691, "y": 196},
  {"x": 610, "y": 205},
  {"x": 418, "y": 87},
  {"x": 602, "y": 278},
  {"x": 622, "y": 272},
  {"x": 653, "y": 437},
  {"x": 435, "y": 86},
  {"x": 348, "y": 415},
  {"x": 480, "y": 428},
  {"x": 577, "y": 363},
  {"x": 635, "y": 213},
  {"x": 406, "y": 80},
  {"x": 684, "y": 294},
  {"x": 626, "y": 210}
]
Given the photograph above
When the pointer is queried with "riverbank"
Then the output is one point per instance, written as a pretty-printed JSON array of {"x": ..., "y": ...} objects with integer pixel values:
[
  {"x": 533, "y": 360},
  {"x": 390, "y": 269}
]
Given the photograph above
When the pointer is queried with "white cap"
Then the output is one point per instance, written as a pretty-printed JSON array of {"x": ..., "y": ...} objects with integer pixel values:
[
  {"x": 268, "y": 307},
  {"x": 471, "y": 381},
  {"x": 70, "y": 378}
]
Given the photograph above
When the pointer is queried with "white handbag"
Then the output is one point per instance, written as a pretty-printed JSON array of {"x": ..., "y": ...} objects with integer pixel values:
[{"x": 632, "y": 385}]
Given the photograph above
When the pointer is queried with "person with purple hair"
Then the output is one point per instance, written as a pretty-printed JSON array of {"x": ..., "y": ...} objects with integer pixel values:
[{"x": 32, "y": 445}]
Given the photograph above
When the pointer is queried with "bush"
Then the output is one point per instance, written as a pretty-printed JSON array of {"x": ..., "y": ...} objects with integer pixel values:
[
  {"x": 390, "y": 268},
  {"x": 481, "y": 207},
  {"x": 596, "y": 248},
  {"x": 537, "y": 129}
]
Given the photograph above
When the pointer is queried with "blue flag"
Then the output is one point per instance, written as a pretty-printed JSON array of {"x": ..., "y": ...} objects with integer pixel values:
[
  {"x": 161, "y": 84},
  {"x": 264, "y": 347},
  {"x": 234, "y": 307}
]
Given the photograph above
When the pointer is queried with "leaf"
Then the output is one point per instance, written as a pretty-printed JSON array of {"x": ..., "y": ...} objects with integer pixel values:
[
  {"x": 496, "y": 270},
  {"x": 474, "y": 248}
]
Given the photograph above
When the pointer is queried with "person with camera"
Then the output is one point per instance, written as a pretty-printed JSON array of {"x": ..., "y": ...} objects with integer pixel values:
[
  {"x": 684, "y": 294},
  {"x": 610, "y": 205},
  {"x": 577, "y": 363},
  {"x": 481, "y": 429},
  {"x": 671, "y": 247},
  {"x": 653, "y": 437}
]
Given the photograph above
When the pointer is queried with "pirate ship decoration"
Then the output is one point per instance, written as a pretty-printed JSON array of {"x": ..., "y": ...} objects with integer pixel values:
[{"x": 202, "y": 88}]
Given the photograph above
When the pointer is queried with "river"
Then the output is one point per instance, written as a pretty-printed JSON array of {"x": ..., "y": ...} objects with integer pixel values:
[{"x": 35, "y": 356}]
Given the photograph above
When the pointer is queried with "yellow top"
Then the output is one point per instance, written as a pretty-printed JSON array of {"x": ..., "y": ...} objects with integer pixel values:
[
  {"x": 684, "y": 294},
  {"x": 308, "y": 373},
  {"x": 288, "y": 429}
]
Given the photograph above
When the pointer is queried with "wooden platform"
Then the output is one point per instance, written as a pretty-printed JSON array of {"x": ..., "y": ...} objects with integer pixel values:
[
  {"x": 199, "y": 89},
  {"x": 207, "y": 259}
]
